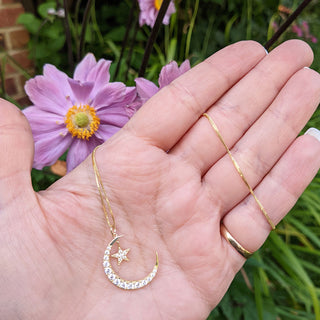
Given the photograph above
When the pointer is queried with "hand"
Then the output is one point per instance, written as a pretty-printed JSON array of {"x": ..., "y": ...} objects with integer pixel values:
[{"x": 170, "y": 184}]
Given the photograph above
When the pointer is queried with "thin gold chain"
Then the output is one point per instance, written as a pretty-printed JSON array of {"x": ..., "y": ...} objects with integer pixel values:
[
  {"x": 236, "y": 165},
  {"x": 103, "y": 197}
]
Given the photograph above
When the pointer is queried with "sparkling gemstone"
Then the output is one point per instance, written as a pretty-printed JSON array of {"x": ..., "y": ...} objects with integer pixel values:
[
  {"x": 107, "y": 270},
  {"x": 137, "y": 284},
  {"x": 111, "y": 276},
  {"x": 116, "y": 281},
  {"x": 144, "y": 282},
  {"x": 106, "y": 264},
  {"x": 130, "y": 286}
]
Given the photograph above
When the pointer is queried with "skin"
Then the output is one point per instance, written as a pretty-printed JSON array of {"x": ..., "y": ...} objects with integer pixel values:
[{"x": 170, "y": 184}]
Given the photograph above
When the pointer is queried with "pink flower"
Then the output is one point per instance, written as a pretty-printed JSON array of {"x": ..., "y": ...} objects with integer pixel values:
[
  {"x": 146, "y": 89},
  {"x": 297, "y": 30},
  {"x": 305, "y": 27},
  {"x": 76, "y": 114},
  {"x": 304, "y": 31},
  {"x": 149, "y": 10},
  {"x": 313, "y": 39}
]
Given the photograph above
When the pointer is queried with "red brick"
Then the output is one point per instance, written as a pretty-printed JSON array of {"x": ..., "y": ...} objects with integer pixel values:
[
  {"x": 3, "y": 41},
  {"x": 24, "y": 101},
  {"x": 22, "y": 59},
  {"x": 9, "y": 16},
  {"x": 10, "y": 1},
  {"x": 11, "y": 86},
  {"x": 19, "y": 38},
  {"x": 9, "y": 69},
  {"x": 22, "y": 81}
]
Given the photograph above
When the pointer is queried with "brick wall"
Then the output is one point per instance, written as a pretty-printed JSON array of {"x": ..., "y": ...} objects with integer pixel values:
[{"x": 14, "y": 39}]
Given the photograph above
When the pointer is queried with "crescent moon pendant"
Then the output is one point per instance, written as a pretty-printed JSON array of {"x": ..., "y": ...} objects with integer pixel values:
[{"x": 121, "y": 283}]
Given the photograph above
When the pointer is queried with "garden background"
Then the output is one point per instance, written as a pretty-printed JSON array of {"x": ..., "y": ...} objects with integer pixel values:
[{"x": 282, "y": 279}]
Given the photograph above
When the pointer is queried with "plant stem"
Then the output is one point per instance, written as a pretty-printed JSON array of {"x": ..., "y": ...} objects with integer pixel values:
[
  {"x": 153, "y": 36},
  {"x": 68, "y": 35},
  {"x": 286, "y": 24},
  {"x": 193, "y": 19},
  {"x": 126, "y": 36},
  {"x": 76, "y": 23},
  {"x": 84, "y": 29},
  {"x": 128, "y": 60}
]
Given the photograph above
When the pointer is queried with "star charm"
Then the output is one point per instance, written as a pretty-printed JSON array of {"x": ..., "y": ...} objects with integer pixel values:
[{"x": 121, "y": 255}]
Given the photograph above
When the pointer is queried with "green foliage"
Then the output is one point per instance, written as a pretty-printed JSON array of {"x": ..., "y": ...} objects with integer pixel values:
[{"x": 47, "y": 36}]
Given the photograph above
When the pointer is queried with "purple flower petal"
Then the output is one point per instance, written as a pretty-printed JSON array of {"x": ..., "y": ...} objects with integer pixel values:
[
  {"x": 116, "y": 116},
  {"x": 185, "y": 66},
  {"x": 79, "y": 150},
  {"x": 171, "y": 72},
  {"x": 112, "y": 93},
  {"x": 42, "y": 121},
  {"x": 47, "y": 95},
  {"x": 58, "y": 77},
  {"x": 81, "y": 90},
  {"x": 130, "y": 95},
  {"x": 168, "y": 73},
  {"x": 148, "y": 12},
  {"x": 84, "y": 67},
  {"x": 107, "y": 131},
  {"x": 145, "y": 88},
  {"x": 49, "y": 146},
  {"x": 99, "y": 74},
  {"x": 171, "y": 10}
]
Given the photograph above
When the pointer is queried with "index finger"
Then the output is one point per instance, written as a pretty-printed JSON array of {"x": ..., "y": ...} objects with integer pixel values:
[{"x": 168, "y": 115}]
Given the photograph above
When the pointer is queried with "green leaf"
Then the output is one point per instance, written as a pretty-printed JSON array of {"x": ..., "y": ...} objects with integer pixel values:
[
  {"x": 31, "y": 23},
  {"x": 43, "y": 8}
]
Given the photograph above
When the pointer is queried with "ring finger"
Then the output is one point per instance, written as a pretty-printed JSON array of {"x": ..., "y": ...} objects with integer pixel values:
[
  {"x": 278, "y": 191},
  {"x": 265, "y": 142}
]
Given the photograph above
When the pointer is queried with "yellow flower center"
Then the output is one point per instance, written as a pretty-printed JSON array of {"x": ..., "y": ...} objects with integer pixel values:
[
  {"x": 157, "y": 4},
  {"x": 81, "y": 121}
]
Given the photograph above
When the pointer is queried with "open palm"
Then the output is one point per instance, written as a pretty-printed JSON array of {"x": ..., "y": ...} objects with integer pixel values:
[{"x": 170, "y": 184}]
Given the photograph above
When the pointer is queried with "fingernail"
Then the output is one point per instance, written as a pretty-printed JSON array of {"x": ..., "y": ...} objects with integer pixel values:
[
  {"x": 306, "y": 68},
  {"x": 314, "y": 132},
  {"x": 266, "y": 51}
]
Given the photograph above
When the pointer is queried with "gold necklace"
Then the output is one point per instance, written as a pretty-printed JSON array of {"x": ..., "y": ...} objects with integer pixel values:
[{"x": 121, "y": 255}]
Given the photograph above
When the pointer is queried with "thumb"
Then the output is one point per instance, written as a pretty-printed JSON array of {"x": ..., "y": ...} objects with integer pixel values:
[{"x": 16, "y": 153}]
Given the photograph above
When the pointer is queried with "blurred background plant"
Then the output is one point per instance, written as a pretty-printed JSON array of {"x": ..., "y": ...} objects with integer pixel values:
[{"x": 281, "y": 280}]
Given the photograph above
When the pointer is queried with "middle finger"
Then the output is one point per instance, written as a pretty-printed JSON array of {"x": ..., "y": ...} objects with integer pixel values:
[{"x": 243, "y": 104}]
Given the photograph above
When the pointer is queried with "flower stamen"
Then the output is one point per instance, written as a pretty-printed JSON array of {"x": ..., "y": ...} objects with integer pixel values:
[
  {"x": 82, "y": 121},
  {"x": 157, "y": 4}
]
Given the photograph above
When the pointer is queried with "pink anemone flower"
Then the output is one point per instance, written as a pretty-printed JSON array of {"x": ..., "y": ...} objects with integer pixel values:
[
  {"x": 149, "y": 10},
  {"x": 76, "y": 114},
  {"x": 146, "y": 89}
]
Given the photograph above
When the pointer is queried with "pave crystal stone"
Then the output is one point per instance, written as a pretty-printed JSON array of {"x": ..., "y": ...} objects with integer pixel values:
[
  {"x": 111, "y": 276},
  {"x": 130, "y": 286},
  {"x": 107, "y": 270},
  {"x": 116, "y": 281},
  {"x": 106, "y": 264}
]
